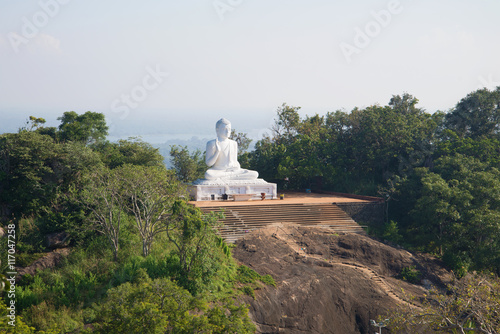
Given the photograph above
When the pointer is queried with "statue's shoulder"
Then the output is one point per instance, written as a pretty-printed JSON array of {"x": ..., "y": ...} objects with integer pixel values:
[
  {"x": 211, "y": 142},
  {"x": 233, "y": 142}
]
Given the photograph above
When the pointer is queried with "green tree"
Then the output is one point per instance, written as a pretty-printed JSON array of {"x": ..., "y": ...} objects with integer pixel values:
[
  {"x": 286, "y": 124},
  {"x": 160, "y": 306},
  {"x": 188, "y": 166},
  {"x": 271, "y": 150},
  {"x": 353, "y": 152},
  {"x": 35, "y": 170},
  {"x": 149, "y": 192},
  {"x": 132, "y": 151},
  {"x": 484, "y": 149},
  {"x": 102, "y": 196},
  {"x": 266, "y": 157},
  {"x": 193, "y": 235},
  {"x": 436, "y": 211},
  {"x": 33, "y": 123},
  {"x": 148, "y": 306},
  {"x": 87, "y": 128},
  {"x": 242, "y": 140},
  {"x": 303, "y": 162},
  {"x": 471, "y": 305},
  {"x": 458, "y": 211},
  {"x": 476, "y": 115},
  {"x": 405, "y": 105}
]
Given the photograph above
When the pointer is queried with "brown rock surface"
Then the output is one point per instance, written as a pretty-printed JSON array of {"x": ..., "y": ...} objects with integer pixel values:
[
  {"x": 50, "y": 260},
  {"x": 327, "y": 282}
]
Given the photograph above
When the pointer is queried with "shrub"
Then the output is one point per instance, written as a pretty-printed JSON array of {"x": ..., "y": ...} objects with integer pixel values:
[
  {"x": 247, "y": 290},
  {"x": 247, "y": 275},
  {"x": 268, "y": 280},
  {"x": 411, "y": 275}
]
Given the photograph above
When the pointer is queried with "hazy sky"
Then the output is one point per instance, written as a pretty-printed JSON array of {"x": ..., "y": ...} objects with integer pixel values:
[{"x": 175, "y": 67}]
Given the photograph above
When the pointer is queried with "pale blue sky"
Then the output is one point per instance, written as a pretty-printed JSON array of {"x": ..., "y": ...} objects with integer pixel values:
[{"x": 238, "y": 59}]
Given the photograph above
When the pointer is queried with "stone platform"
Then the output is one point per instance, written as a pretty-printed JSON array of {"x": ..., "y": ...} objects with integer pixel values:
[
  {"x": 216, "y": 190},
  {"x": 304, "y": 209}
]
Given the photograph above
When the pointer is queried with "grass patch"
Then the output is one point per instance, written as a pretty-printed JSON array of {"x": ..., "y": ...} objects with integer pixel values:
[
  {"x": 247, "y": 290},
  {"x": 25, "y": 259},
  {"x": 246, "y": 275}
]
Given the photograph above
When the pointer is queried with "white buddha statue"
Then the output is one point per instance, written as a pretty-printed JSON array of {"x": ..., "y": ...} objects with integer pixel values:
[{"x": 222, "y": 156}]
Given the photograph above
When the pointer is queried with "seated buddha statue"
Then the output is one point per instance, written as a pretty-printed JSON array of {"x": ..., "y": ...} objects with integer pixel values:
[{"x": 222, "y": 156}]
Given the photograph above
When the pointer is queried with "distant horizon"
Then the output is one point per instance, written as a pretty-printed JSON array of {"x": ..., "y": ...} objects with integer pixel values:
[
  {"x": 181, "y": 66},
  {"x": 156, "y": 127}
]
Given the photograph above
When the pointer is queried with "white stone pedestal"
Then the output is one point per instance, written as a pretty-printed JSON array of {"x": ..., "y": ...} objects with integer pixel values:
[{"x": 213, "y": 190}]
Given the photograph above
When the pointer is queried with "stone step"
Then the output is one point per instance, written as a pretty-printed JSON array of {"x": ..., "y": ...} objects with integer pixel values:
[{"x": 242, "y": 219}]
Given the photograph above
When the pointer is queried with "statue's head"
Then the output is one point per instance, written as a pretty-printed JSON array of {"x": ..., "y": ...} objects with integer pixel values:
[{"x": 223, "y": 128}]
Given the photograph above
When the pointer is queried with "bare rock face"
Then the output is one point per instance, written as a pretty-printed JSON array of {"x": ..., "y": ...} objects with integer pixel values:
[
  {"x": 57, "y": 240},
  {"x": 50, "y": 260},
  {"x": 326, "y": 282}
]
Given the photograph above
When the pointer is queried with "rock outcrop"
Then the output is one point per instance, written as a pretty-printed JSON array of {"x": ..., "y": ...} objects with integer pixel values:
[{"x": 328, "y": 282}]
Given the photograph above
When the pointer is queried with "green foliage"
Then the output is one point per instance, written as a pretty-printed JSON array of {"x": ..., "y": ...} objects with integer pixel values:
[
  {"x": 188, "y": 166},
  {"x": 470, "y": 305},
  {"x": 33, "y": 123},
  {"x": 242, "y": 140},
  {"x": 247, "y": 290},
  {"x": 477, "y": 115},
  {"x": 35, "y": 170},
  {"x": 87, "y": 128},
  {"x": 439, "y": 175},
  {"x": 70, "y": 179},
  {"x": 49, "y": 319},
  {"x": 287, "y": 123},
  {"x": 355, "y": 151},
  {"x": 25, "y": 259},
  {"x": 145, "y": 307},
  {"x": 132, "y": 151},
  {"x": 458, "y": 212},
  {"x": 230, "y": 318},
  {"x": 102, "y": 197},
  {"x": 6, "y": 322},
  {"x": 247, "y": 275},
  {"x": 150, "y": 193},
  {"x": 194, "y": 238},
  {"x": 144, "y": 192},
  {"x": 391, "y": 232},
  {"x": 410, "y": 274},
  {"x": 268, "y": 279},
  {"x": 160, "y": 306}
]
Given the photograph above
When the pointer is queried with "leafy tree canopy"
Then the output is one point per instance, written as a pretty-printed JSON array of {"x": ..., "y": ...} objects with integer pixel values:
[
  {"x": 477, "y": 115},
  {"x": 87, "y": 128}
]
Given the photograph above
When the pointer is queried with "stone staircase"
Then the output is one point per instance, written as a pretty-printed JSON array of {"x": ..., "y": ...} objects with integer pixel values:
[{"x": 242, "y": 219}]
